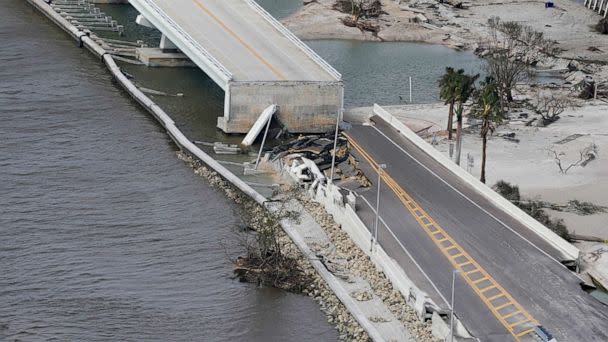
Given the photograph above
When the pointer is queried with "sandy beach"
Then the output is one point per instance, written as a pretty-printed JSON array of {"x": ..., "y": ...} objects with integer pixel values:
[
  {"x": 529, "y": 163},
  {"x": 569, "y": 23}
]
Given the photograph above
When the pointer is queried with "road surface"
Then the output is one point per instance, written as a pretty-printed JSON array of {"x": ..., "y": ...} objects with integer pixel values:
[
  {"x": 242, "y": 40},
  {"x": 509, "y": 279}
]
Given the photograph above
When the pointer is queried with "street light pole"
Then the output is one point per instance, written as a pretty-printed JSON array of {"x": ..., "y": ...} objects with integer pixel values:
[
  {"x": 410, "y": 89},
  {"x": 333, "y": 157},
  {"x": 454, "y": 272},
  {"x": 257, "y": 161},
  {"x": 375, "y": 235}
]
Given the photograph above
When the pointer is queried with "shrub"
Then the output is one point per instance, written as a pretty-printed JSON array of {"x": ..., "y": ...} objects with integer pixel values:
[{"x": 532, "y": 208}]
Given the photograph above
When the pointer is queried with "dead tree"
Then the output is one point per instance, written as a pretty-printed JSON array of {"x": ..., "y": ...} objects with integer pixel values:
[
  {"x": 549, "y": 107},
  {"x": 359, "y": 8},
  {"x": 586, "y": 155},
  {"x": 512, "y": 49}
]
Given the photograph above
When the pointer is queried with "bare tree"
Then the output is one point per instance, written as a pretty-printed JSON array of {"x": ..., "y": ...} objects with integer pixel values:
[
  {"x": 549, "y": 106},
  {"x": 512, "y": 48},
  {"x": 359, "y": 8},
  {"x": 586, "y": 155}
]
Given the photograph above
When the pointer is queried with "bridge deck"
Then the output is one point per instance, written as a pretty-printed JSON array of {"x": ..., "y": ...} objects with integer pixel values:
[
  {"x": 508, "y": 279},
  {"x": 243, "y": 41}
]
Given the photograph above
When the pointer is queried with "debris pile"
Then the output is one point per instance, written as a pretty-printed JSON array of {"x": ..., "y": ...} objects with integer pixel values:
[{"x": 310, "y": 157}]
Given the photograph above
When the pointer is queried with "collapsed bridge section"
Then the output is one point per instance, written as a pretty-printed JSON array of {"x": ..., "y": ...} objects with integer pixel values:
[{"x": 253, "y": 58}]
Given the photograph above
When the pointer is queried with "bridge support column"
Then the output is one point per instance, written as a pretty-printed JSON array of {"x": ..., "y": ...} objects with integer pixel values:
[
  {"x": 166, "y": 45},
  {"x": 141, "y": 20},
  {"x": 304, "y": 107}
]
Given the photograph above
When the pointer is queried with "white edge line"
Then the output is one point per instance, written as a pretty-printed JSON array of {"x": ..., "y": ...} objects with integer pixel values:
[
  {"x": 298, "y": 42},
  {"x": 407, "y": 252},
  {"x": 470, "y": 200}
]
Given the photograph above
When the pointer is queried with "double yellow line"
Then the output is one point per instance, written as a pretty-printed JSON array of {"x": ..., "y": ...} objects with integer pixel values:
[
  {"x": 249, "y": 48},
  {"x": 502, "y": 305}
]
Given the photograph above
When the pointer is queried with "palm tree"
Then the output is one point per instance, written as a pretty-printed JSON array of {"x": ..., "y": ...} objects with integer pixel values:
[
  {"x": 465, "y": 86},
  {"x": 487, "y": 108},
  {"x": 447, "y": 92}
]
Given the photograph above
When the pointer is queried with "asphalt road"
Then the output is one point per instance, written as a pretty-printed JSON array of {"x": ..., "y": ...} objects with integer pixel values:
[
  {"x": 243, "y": 41},
  {"x": 516, "y": 267}
]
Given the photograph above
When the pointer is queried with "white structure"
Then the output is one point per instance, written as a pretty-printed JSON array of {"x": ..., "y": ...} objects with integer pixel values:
[
  {"x": 600, "y": 6},
  {"x": 250, "y": 55}
]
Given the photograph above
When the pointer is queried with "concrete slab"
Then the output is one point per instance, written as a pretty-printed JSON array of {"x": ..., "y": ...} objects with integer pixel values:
[{"x": 155, "y": 57}]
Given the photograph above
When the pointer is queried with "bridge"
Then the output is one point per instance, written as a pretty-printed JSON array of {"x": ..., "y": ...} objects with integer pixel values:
[
  {"x": 253, "y": 58},
  {"x": 509, "y": 279}
]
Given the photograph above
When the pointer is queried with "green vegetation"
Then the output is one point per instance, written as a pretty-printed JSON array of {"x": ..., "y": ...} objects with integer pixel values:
[
  {"x": 532, "y": 208},
  {"x": 486, "y": 107}
]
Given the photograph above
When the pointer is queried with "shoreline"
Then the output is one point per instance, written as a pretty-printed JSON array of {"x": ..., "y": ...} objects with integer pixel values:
[
  {"x": 418, "y": 21},
  {"x": 339, "y": 305},
  {"x": 316, "y": 20}
]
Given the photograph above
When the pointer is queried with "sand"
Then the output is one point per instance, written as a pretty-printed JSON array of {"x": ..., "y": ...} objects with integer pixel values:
[
  {"x": 317, "y": 20},
  {"x": 528, "y": 163},
  {"x": 570, "y": 24}
]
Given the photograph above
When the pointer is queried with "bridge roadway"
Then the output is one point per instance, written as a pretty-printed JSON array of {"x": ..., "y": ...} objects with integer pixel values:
[
  {"x": 507, "y": 283},
  {"x": 243, "y": 41},
  {"x": 256, "y": 60}
]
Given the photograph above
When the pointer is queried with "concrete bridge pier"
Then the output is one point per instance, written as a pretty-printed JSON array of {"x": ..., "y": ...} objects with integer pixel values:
[
  {"x": 165, "y": 43},
  {"x": 303, "y": 106},
  {"x": 253, "y": 58}
]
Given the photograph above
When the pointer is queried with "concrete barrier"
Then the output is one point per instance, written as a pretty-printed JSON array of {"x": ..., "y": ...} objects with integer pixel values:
[
  {"x": 569, "y": 252},
  {"x": 93, "y": 47},
  {"x": 65, "y": 25},
  {"x": 344, "y": 214}
]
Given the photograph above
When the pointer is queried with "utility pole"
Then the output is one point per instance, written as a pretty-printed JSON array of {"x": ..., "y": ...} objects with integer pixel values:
[
  {"x": 454, "y": 272},
  {"x": 333, "y": 157},
  {"x": 410, "y": 89},
  {"x": 375, "y": 233}
]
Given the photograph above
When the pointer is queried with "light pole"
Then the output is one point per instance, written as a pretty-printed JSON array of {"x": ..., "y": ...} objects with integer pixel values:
[
  {"x": 410, "y": 89},
  {"x": 333, "y": 157},
  {"x": 375, "y": 236},
  {"x": 257, "y": 161},
  {"x": 454, "y": 272}
]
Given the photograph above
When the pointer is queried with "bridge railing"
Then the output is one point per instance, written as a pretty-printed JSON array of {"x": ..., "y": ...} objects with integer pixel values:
[
  {"x": 289, "y": 35},
  {"x": 190, "y": 40}
]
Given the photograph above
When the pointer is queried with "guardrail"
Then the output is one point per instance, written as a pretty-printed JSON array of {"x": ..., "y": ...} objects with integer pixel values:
[
  {"x": 568, "y": 251},
  {"x": 289, "y": 35},
  {"x": 593, "y": 5},
  {"x": 189, "y": 39}
]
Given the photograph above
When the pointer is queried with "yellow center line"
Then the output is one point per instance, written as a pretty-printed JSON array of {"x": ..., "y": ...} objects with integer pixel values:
[
  {"x": 419, "y": 214},
  {"x": 276, "y": 72}
]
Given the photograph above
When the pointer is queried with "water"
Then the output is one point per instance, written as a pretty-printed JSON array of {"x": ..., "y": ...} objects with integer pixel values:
[
  {"x": 373, "y": 72},
  {"x": 280, "y": 8},
  {"x": 105, "y": 234},
  {"x": 378, "y": 72}
]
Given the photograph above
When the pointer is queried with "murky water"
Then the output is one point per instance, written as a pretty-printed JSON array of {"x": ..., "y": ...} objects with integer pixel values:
[{"x": 104, "y": 234}]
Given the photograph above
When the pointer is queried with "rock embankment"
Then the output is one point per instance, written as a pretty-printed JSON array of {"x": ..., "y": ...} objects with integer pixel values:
[
  {"x": 359, "y": 263},
  {"x": 347, "y": 326}
]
